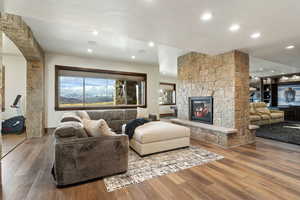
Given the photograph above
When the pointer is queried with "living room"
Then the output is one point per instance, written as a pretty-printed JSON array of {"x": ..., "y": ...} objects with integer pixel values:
[{"x": 119, "y": 104}]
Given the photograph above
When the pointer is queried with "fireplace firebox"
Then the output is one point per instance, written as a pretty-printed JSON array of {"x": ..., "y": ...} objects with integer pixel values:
[{"x": 201, "y": 109}]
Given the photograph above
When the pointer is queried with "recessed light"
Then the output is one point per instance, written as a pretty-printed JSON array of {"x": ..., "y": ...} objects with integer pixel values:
[
  {"x": 255, "y": 35},
  {"x": 133, "y": 57},
  {"x": 90, "y": 50},
  {"x": 206, "y": 16},
  {"x": 151, "y": 44},
  {"x": 290, "y": 47},
  {"x": 234, "y": 27},
  {"x": 95, "y": 32},
  {"x": 272, "y": 71}
]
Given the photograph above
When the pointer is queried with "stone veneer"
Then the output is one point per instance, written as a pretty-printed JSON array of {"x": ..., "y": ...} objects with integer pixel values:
[
  {"x": 16, "y": 29},
  {"x": 226, "y": 78}
]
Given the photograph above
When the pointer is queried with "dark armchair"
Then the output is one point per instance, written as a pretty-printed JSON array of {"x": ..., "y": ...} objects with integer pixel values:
[{"x": 82, "y": 159}]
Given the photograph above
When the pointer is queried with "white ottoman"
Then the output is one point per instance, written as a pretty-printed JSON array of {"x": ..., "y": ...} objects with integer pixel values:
[{"x": 159, "y": 136}]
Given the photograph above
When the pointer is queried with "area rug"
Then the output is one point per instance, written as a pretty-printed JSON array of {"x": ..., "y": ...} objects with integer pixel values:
[
  {"x": 288, "y": 132},
  {"x": 144, "y": 168}
]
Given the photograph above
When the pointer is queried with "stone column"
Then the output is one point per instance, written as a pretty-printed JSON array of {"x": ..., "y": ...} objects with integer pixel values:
[
  {"x": 225, "y": 77},
  {"x": 35, "y": 102}
]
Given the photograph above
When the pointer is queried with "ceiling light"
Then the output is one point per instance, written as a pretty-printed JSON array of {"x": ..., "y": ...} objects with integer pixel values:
[
  {"x": 290, "y": 47},
  {"x": 151, "y": 44},
  {"x": 272, "y": 71},
  {"x": 133, "y": 57},
  {"x": 90, "y": 50},
  {"x": 255, "y": 35},
  {"x": 206, "y": 16},
  {"x": 95, "y": 32},
  {"x": 234, "y": 27}
]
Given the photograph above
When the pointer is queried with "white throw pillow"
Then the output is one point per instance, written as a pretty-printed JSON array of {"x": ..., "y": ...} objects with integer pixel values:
[
  {"x": 142, "y": 113},
  {"x": 96, "y": 128}
]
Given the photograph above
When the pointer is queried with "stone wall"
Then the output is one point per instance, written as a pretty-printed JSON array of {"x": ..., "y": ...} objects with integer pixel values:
[
  {"x": 17, "y": 31},
  {"x": 225, "y": 77}
]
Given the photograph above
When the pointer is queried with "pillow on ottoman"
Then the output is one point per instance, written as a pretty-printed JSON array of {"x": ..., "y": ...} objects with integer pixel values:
[
  {"x": 96, "y": 128},
  {"x": 142, "y": 113},
  {"x": 70, "y": 129}
]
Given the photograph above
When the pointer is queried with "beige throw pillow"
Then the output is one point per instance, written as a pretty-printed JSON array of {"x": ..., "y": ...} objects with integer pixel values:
[
  {"x": 142, "y": 113},
  {"x": 83, "y": 115},
  {"x": 96, "y": 128}
]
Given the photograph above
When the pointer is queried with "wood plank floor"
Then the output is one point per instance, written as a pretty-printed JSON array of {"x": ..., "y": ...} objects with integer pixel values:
[
  {"x": 10, "y": 141},
  {"x": 267, "y": 170}
]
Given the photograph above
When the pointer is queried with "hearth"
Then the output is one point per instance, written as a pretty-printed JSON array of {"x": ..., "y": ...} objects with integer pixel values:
[{"x": 201, "y": 109}]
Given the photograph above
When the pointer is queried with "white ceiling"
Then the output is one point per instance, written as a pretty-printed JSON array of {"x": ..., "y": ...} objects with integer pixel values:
[{"x": 126, "y": 26}]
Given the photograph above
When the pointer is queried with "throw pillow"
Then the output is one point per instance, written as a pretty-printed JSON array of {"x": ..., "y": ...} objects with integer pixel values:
[
  {"x": 96, "y": 128},
  {"x": 142, "y": 113},
  {"x": 70, "y": 117},
  {"x": 70, "y": 129},
  {"x": 83, "y": 115}
]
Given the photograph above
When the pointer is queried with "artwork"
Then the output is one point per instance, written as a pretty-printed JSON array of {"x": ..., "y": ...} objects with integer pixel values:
[
  {"x": 289, "y": 95},
  {"x": 201, "y": 109}
]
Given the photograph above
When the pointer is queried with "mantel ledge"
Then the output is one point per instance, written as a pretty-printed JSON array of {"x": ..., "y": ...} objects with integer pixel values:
[{"x": 222, "y": 130}]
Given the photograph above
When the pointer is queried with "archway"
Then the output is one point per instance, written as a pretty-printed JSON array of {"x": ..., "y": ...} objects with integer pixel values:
[{"x": 17, "y": 30}]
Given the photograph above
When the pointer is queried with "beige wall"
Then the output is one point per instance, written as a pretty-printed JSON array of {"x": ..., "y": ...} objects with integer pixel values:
[
  {"x": 15, "y": 83},
  {"x": 152, "y": 71}
]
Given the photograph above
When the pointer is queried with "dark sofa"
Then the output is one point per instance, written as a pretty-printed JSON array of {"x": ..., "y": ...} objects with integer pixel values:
[
  {"x": 114, "y": 118},
  {"x": 79, "y": 158}
]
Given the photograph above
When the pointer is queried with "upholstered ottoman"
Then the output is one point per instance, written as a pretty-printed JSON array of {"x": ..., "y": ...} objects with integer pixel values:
[{"x": 159, "y": 136}]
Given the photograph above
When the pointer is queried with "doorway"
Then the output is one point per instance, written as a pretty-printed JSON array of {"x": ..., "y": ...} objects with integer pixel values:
[{"x": 13, "y": 73}]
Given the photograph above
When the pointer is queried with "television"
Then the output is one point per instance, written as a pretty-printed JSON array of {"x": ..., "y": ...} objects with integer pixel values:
[{"x": 289, "y": 95}]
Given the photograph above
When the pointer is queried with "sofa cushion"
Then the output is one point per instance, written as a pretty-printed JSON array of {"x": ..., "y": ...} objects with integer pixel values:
[
  {"x": 265, "y": 116},
  {"x": 142, "y": 113},
  {"x": 255, "y": 118},
  {"x": 107, "y": 115},
  {"x": 70, "y": 117},
  {"x": 130, "y": 114},
  {"x": 277, "y": 115},
  {"x": 70, "y": 129},
  {"x": 263, "y": 110},
  {"x": 159, "y": 131},
  {"x": 96, "y": 128},
  {"x": 83, "y": 115}
]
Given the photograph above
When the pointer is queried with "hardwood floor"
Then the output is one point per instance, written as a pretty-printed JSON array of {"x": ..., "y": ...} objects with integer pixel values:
[
  {"x": 268, "y": 170},
  {"x": 10, "y": 141}
]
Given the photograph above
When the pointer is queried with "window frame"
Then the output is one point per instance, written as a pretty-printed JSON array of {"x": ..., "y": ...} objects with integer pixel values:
[
  {"x": 174, "y": 86},
  {"x": 80, "y": 69}
]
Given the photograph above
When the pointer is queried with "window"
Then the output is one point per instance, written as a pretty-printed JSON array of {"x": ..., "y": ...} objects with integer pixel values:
[
  {"x": 80, "y": 88},
  {"x": 167, "y": 94}
]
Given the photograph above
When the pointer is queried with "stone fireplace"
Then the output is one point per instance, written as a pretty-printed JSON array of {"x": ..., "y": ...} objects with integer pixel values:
[
  {"x": 201, "y": 109},
  {"x": 224, "y": 79}
]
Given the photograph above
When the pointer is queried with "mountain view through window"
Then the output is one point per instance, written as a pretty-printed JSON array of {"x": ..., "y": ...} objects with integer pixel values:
[{"x": 95, "y": 91}]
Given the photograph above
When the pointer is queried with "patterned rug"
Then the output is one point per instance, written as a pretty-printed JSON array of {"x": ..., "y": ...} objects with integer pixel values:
[{"x": 144, "y": 168}]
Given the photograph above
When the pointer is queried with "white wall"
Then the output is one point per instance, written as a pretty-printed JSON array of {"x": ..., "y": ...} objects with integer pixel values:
[
  {"x": 15, "y": 83},
  {"x": 167, "y": 79},
  {"x": 53, "y": 117}
]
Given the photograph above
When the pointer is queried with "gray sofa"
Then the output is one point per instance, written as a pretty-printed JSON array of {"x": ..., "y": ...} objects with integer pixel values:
[
  {"x": 79, "y": 158},
  {"x": 114, "y": 118}
]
